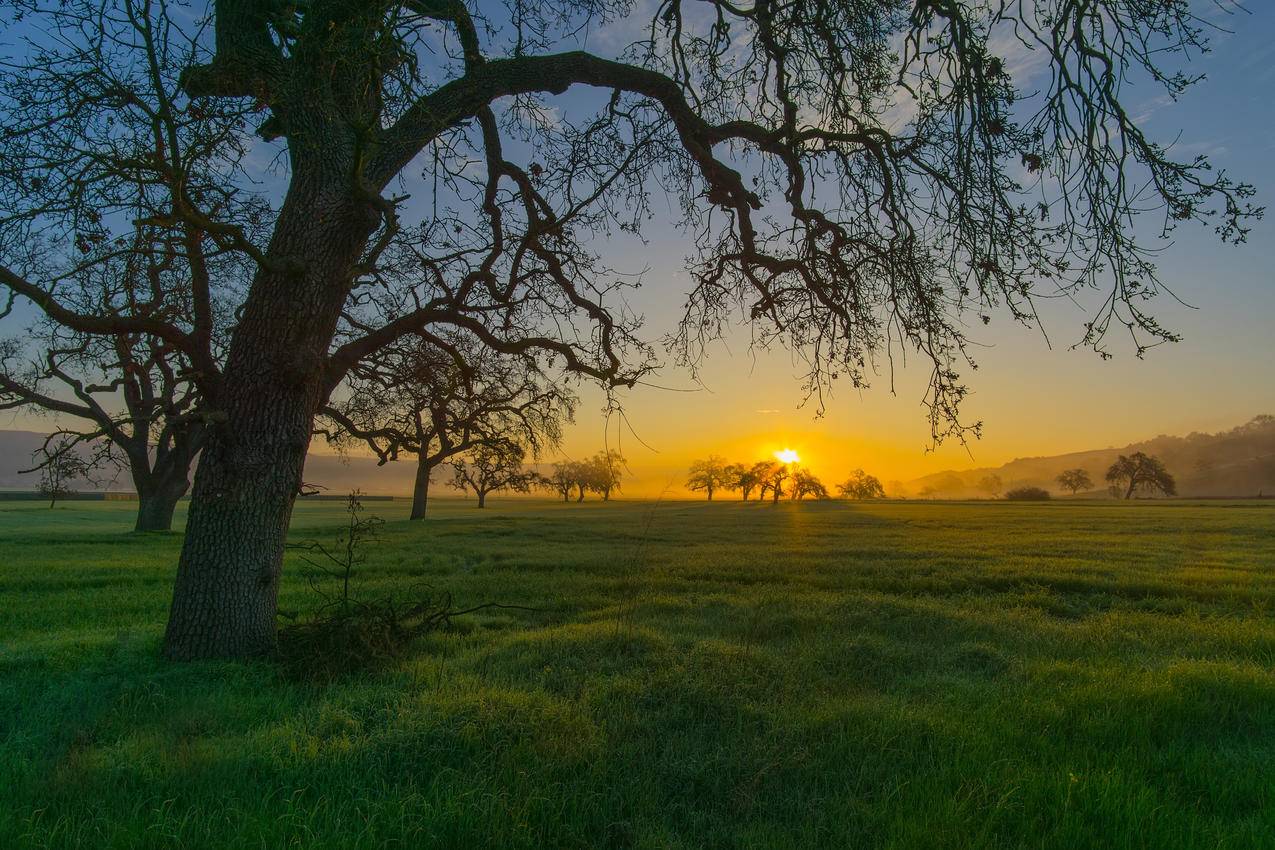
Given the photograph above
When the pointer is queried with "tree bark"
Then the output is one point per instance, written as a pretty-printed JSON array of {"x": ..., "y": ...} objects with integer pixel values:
[
  {"x": 420, "y": 489},
  {"x": 226, "y": 592},
  {"x": 482, "y": 498},
  {"x": 157, "y": 503}
]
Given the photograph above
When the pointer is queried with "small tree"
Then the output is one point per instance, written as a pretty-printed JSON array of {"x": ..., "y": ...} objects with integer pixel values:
[
  {"x": 59, "y": 464},
  {"x": 605, "y": 469},
  {"x": 710, "y": 475},
  {"x": 1140, "y": 473},
  {"x": 1074, "y": 480},
  {"x": 438, "y": 396},
  {"x": 744, "y": 479},
  {"x": 861, "y": 485},
  {"x": 491, "y": 468},
  {"x": 563, "y": 479},
  {"x": 804, "y": 483},
  {"x": 991, "y": 485},
  {"x": 771, "y": 476}
]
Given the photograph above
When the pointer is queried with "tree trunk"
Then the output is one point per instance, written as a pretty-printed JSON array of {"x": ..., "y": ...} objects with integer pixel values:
[
  {"x": 482, "y": 498},
  {"x": 225, "y": 595},
  {"x": 156, "y": 504},
  {"x": 1128, "y": 494},
  {"x": 420, "y": 490},
  {"x": 710, "y": 494},
  {"x": 160, "y": 487}
]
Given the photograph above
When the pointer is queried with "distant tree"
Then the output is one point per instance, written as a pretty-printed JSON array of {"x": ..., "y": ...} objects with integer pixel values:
[
  {"x": 710, "y": 475},
  {"x": 563, "y": 479},
  {"x": 1074, "y": 480},
  {"x": 748, "y": 478},
  {"x": 1027, "y": 494},
  {"x": 605, "y": 469},
  {"x": 927, "y": 492},
  {"x": 804, "y": 483},
  {"x": 991, "y": 485},
  {"x": 435, "y": 397},
  {"x": 771, "y": 476},
  {"x": 735, "y": 473},
  {"x": 59, "y": 464},
  {"x": 491, "y": 468},
  {"x": 1140, "y": 473},
  {"x": 861, "y": 485}
]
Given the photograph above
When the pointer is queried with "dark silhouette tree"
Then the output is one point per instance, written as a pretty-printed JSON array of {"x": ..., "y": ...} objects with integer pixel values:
[
  {"x": 603, "y": 473},
  {"x": 744, "y": 479},
  {"x": 1140, "y": 473},
  {"x": 771, "y": 475},
  {"x": 438, "y": 398},
  {"x": 710, "y": 475},
  {"x": 491, "y": 468},
  {"x": 945, "y": 185},
  {"x": 861, "y": 485},
  {"x": 1074, "y": 480},
  {"x": 804, "y": 483},
  {"x": 992, "y": 485},
  {"x": 562, "y": 480},
  {"x": 60, "y": 464},
  {"x": 106, "y": 201}
]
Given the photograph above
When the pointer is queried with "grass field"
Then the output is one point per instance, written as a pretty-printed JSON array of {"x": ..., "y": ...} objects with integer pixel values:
[{"x": 920, "y": 675}]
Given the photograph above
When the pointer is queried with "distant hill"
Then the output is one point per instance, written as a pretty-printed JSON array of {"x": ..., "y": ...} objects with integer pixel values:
[
  {"x": 1235, "y": 463},
  {"x": 334, "y": 474}
]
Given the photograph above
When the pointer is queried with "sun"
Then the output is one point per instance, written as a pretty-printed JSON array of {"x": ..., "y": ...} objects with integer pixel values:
[{"x": 787, "y": 456}]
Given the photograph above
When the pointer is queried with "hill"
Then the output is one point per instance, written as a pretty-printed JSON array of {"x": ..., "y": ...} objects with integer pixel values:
[{"x": 1235, "y": 463}]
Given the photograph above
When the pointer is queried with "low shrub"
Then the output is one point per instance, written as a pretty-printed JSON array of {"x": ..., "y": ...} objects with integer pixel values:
[{"x": 1027, "y": 494}]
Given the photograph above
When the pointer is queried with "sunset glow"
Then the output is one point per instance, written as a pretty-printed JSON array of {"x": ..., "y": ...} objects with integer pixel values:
[{"x": 787, "y": 456}]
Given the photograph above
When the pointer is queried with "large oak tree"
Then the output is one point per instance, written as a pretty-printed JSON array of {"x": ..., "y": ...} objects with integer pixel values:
[{"x": 859, "y": 177}]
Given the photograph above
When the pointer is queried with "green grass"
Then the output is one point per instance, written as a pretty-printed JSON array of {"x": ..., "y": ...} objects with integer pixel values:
[{"x": 804, "y": 675}]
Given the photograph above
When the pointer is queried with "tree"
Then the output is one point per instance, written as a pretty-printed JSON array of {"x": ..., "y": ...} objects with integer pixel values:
[
  {"x": 1074, "y": 480},
  {"x": 603, "y": 473},
  {"x": 491, "y": 468},
  {"x": 973, "y": 191},
  {"x": 440, "y": 397},
  {"x": 1140, "y": 473},
  {"x": 744, "y": 479},
  {"x": 563, "y": 479},
  {"x": 771, "y": 476},
  {"x": 59, "y": 464},
  {"x": 710, "y": 475},
  {"x": 991, "y": 485},
  {"x": 804, "y": 483},
  {"x": 861, "y": 485},
  {"x": 132, "y": 319}
]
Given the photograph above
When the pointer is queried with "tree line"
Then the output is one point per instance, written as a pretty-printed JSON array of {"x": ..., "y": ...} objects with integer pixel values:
[{"x": 769, "y": 478}]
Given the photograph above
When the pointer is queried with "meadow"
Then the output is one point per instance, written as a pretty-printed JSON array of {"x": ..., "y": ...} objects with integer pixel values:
[{"x": 816, "y": 674}]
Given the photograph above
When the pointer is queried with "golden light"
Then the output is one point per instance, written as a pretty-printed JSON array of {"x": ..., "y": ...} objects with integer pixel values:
[{"x": 787, "y": 456}]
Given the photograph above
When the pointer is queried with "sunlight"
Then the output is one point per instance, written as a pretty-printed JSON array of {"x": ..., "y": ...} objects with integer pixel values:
[{"x": 787, "y": 456}]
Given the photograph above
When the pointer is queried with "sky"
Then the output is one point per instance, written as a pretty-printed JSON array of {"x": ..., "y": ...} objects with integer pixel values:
[{"x": 1035, "y": 396}]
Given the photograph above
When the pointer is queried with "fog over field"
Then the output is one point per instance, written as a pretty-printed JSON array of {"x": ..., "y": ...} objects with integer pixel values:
[{"x": 1236, "y": 463}]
